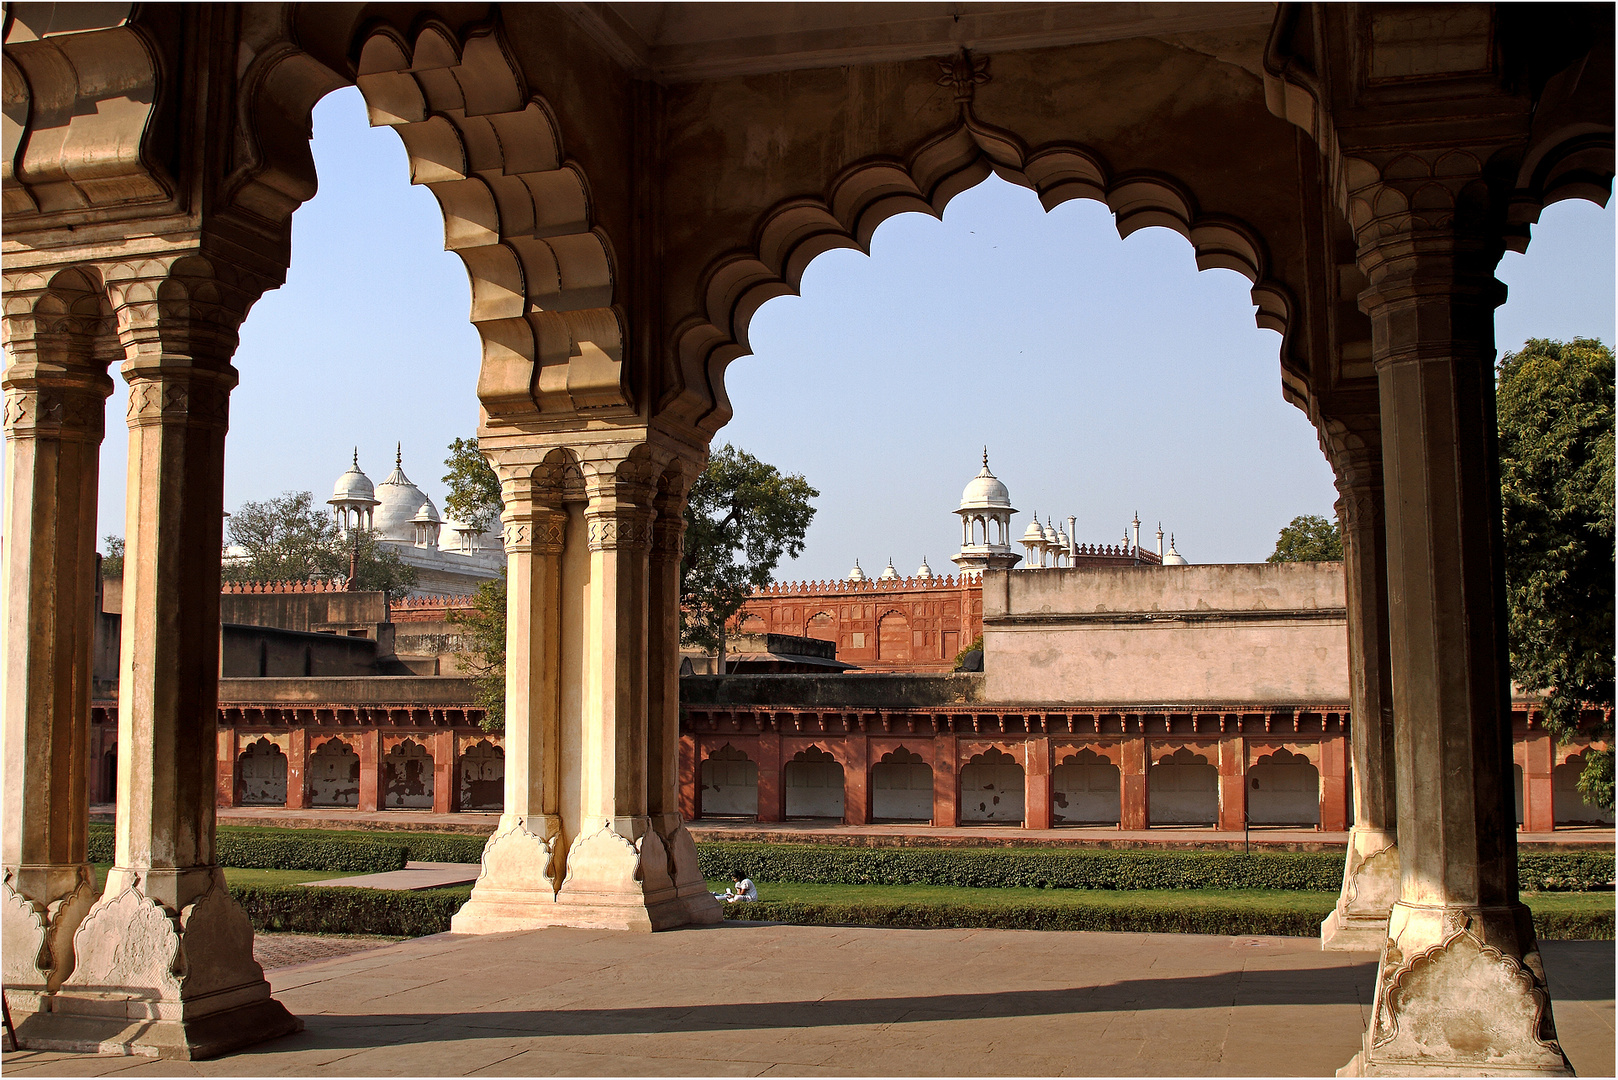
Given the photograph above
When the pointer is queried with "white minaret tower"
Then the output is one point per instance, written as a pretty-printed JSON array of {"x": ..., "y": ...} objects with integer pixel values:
[
  {"x": 985, "y": 513},
  {"x": 353, "y": 499},
  {"x": 1160, "y": 542}
]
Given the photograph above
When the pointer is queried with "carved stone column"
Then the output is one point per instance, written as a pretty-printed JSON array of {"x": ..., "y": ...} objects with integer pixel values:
[
  {"x": 164, "y": 960},
  {"x": 517, "y": 887},
  {"x": 1371, "y": 873},
  {"x": 617, "y": 866},
  {"x": 663, "y": 696},
  {"x": 1460, "y": 988},
  {"x": 55, "y": 403}
]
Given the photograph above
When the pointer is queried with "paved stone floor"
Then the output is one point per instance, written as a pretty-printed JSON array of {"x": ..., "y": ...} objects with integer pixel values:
[
  {"x": 274, "y": 951},
  {"x": 415, "y": 875},
  {"x": 756, "y": 999}
]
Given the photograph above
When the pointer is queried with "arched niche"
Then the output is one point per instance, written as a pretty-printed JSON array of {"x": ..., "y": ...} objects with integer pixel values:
[
  {"x": 407, "y": 777},
  {"x": 893, "y": 637},
  {"x": 334, "y": 775},
  {"x": 1183, "y": 789},
  {"x": 1085, "y": 790},
  {"x": 483, "y": 776},
  {"x": 812, "y": 783},
  {"x": 901, "y": 787},
  {"x": 1568, "y": 805},
  {"x": 992, "y": 788},
  {"x": 729, "y": 784},
  {"x": 1283, "y": 788},
  {"x": 261, "y": 775}
]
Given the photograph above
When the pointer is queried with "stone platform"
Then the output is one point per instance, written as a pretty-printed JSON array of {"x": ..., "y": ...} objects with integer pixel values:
[{"x": 754, "y": 999}]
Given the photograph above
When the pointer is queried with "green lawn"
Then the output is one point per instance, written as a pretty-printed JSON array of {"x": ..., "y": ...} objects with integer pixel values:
[{"x": 1275, "y": 899}]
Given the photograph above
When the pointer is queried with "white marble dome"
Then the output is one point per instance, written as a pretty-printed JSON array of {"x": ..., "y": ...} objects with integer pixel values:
[
  {"x": 985, "y": 492},
  {"x": 889, "y": 573},
  {"x": 924, "y": 572},
  {"x": 1172, "y": 557},
  {"x": 857, "y": 574},
  {"x": 398, "y": 500},
  {"x": 353, "y": 486},
  {"x": 427, "y": 514},
  {"x": 1035, "y": 533}
]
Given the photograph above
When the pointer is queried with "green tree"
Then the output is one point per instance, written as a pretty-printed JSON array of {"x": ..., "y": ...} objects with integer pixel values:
[
  {"x": 112, "y": 563},
  {"x": 482, "y": 651},
  {"x": 289, "y": 539},
  {"x": 742, "y": 518},
  {"x": 1308, "y": 538},
  {"x": 1555, "y": 408},
  {"x": 474, "y": 489}
]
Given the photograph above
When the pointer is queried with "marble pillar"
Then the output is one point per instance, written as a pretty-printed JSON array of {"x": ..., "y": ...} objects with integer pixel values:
[
  {"x": 164, "y": 959},
  {"x": 1460, "y": 986},
  {"x": 1371, "y": 872},
  {"x": 55, "y": 392}
]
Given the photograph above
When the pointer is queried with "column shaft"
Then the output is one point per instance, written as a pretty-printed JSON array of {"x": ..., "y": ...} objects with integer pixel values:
[
  {"x": 54, "y": 407},
  {"x": 1037, "y": 785},
  {"x": 1232, "y": 815}
]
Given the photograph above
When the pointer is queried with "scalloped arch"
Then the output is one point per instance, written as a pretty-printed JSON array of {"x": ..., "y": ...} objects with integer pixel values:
[
  {"x": 516, "y": 212},
  {"x": 794, "y": 232}
]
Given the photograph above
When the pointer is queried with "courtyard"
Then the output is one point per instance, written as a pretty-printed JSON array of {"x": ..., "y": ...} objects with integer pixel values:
[{"x": 762, "y": 999}]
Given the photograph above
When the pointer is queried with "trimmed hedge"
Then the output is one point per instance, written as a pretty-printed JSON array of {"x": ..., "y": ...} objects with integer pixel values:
[
  {"x": 1228, "y": 919},
  {"x": 285, "y": 849},
  {"x": 1036, "y": 868},
  {"x": 1092, "y": 868},
  {"x": 336, "y": 910}
]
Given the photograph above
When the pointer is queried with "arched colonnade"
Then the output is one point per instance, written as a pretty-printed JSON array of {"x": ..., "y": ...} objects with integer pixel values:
[
  {"x": 623, "y": 208},
  {"x": 1035, "y": 783}
]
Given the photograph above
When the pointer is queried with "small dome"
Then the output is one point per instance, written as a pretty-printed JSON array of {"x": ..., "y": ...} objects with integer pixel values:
[
  {"x": 985, "y": 492},
  {"x": 857, "y": 574},
  {"x": 427, "y": 515},
  {"x": 924, "y": 572},
  {"x": 1035, "y": 533},
  {"x": 1061, "y": 536},
  {"x": 353, "y": 486},
  {"x": 1050, "y": 532},
  {"x": 397, "y": 502},
  {"x": 889, "y": 573},
  {"x": 1172, "y": 557}
]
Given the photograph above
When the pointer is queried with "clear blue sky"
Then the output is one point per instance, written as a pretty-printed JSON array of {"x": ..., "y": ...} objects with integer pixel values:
[{"x": 1105, "y": 375}]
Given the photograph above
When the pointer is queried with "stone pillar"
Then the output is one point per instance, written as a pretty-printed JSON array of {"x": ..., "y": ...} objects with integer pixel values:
[
  {"x": 446, "y": 778},
  {"x": 1371, "y": 871},
  {"x": 55, "y": 392},
  {"x": 298, "y": 768},
  {"x": 1232, "y": 815},
  {"x": 372, "y": 795},
  {"x": 618, "y": 869},
  {"x": 771, "y": 804},
  {"x": 691, "y": 778},
  {"x": 1037, "y": 785},
  {"x": 517, "y": 887},
  {"x": 856, "y": 780},
  {"x": 1538, "y": 791},
  {"x": 946, "y": 782},
  {"x": 1460, "y": 988},
  {"x": 164, "y": 960},
  {"x": 1134, "y": 791},
  {"x": 663, "y": 695},
  {"x": 1333, "y": 784},
  {"x": 227, "y": 775}
]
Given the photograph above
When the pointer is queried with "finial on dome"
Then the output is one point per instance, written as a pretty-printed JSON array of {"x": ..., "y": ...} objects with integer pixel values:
[
  {"x": 398, "y": 455},
  {"x": 356, "y": 457},
  {"x": 985, "y": 457}
]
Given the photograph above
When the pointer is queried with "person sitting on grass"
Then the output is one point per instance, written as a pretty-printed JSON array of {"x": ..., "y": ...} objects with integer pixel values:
[{"x": 742, "y": 887}]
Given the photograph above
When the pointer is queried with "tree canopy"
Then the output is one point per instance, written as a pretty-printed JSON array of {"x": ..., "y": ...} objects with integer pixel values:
[
  {"x": 112, "y": 564},
  {"x": 482, "y": 650},
  {"x": 742, "y": 518},
  {"x": 1555, "y": 408},
  {"x": 474, "y": 489},
  {"x": 288, "y": 538},
  {"x": 1308, "y": 538}
]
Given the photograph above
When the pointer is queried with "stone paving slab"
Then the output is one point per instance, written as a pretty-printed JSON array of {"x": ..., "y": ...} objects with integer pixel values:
[
  {"x": 415, "y": 875},
  {"x": 274, "y": 951},
  {"x": 767, "y": 999}
]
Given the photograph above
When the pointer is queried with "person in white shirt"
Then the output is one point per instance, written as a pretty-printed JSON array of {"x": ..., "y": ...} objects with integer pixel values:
[{"x": 742, "y": 887}]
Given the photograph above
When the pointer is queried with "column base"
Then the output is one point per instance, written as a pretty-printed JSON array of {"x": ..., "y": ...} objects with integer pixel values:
[
  {"x": 612, "y": 882},
  {"x": 147, "y": 981},
  {"x": 1359, "y": 922},
  {"x": 516, "y": 889},
  {"x": 36, "y": 937},
  {"x": 1460, "y": 991}
]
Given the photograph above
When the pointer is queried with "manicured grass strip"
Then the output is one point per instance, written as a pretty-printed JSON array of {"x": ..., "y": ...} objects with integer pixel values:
[
  {"x": 239, "y": 876},
  {"x": 352, "y": 850}
]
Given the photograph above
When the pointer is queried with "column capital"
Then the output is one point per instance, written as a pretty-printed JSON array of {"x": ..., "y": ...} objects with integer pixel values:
[
  {"x": 614, "y": 526},
  {"x": 181, "y": 311},
  {"x": 533, "y": 528}
]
